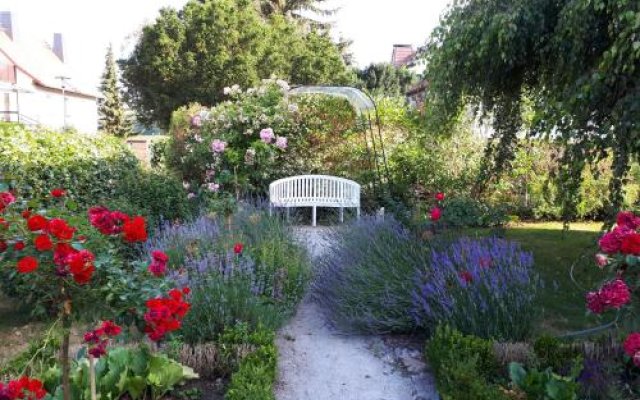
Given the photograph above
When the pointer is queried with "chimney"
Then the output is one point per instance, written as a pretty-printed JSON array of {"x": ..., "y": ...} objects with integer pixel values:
[
  {"x": 6, "y": 24},
  {"x": 58, "y": 49}
]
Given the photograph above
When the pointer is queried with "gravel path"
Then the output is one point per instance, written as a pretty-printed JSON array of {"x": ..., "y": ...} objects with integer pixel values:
[{"x": 318, "y": 363}]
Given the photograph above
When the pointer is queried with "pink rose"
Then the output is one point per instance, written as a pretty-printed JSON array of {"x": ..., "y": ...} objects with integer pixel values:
[
  {"x": 611, "y": 242},
  {"x": 602, "y": 260},
  {"x": 628, "y": 219}
]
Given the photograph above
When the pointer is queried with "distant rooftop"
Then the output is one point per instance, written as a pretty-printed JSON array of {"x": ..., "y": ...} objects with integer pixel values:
[{"x": 402, "y": 54}]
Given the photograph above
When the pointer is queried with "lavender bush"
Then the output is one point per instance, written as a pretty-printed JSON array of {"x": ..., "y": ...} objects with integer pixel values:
[
  {"x": 367, "y": 277},
  {"x": 258, "y": 286},
  {"x": 485, "y": 287}
]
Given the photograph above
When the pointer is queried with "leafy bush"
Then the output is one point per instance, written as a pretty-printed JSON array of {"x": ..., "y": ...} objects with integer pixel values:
[
  {"x": 256, "y": 375},
  {"x": 367, "y": 278},
  {"x": 154, "y": 194},
  {"x": 136, "y": 372},
  {"x": 258, "y": 285},
  {"x": 485, "y": 287},
  {"x": 89, "y": 168},
  {"x": 467, "y": 212},
  {"x": 464, "y": 366},
  {"x": 546, "y": 385},
  {"x": 552, "y": 353}
]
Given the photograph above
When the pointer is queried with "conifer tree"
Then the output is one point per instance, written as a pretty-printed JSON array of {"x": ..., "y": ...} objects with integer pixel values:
[{"x": 113, "y": 119}]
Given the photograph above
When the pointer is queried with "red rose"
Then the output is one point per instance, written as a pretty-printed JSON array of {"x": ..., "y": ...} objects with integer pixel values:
[
  {"x": 58, "y": 192},
  {"x": 632, "y": 347},
  {"x": 43, "y": 243},
  {"x": 440, "y": 196},
  {"x": 110, "y": 328},
  {"x": 135, "y": 230},
  {"x": 37, "y": 223},
  {"x": 631, "y": 244},
  {"x": 157, "y": 269},
  {"x": 26, "y": 213},
  {"x": 60, "y": 229},
  {"x": 27, "y": 264},
  {"x": 18, "y": 246},
  {"x": 466, "y": 276},
  {"x": 238, "y": 247},
  {"x": 24, "y": 388},
  {"x": 81, "y": 266},
  {"x": 186, "y": 291},
  {"x": 3, "y": 246},
  {"x": 435, "y": 214},
  {"x": 628, "y": 219},
  {"x": 106, "y": 221},
  {"x": 61, "y": 253},
  {"x": 6, "y": 198}
]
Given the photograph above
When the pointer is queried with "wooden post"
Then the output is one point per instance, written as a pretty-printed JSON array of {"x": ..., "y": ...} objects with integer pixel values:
[
  {"x": 313, "y": 216},
  {"x": 92, "y": 377}
]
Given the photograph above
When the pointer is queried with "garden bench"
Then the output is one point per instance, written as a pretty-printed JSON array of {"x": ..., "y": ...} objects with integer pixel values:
[{"x": 315, "y": 191}]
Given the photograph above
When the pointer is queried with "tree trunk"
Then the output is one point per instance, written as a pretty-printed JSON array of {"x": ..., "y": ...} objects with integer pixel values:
[{"x": 64, "y": 356}]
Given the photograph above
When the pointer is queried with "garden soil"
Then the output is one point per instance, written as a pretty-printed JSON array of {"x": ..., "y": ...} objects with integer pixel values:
[{"x": 316, "y": 362}]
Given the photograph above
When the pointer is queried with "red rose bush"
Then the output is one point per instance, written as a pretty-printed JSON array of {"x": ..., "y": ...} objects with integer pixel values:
[{"x": 620, "y": 252}]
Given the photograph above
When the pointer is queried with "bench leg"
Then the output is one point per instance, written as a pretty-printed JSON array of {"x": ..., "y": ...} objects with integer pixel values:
[
  {"x": 358, "y": 212},
  {"x": 270, "y": 210},
  {"x": 313, "y": 216},
  {"x": 341, "y": 214},
  {"x": 288, "y": 213}
]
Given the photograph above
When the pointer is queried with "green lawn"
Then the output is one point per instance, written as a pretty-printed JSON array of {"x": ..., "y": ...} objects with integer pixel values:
[{"x": 561, "y": 301}]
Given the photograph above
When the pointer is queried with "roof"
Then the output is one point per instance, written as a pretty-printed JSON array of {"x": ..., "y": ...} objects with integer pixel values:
[
  {"x": 37, "y": 60},
  {"x": 402, "y": 55}
]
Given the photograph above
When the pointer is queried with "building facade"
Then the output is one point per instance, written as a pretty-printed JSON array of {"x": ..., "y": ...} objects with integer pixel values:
[{"x": 35, "y": 85}]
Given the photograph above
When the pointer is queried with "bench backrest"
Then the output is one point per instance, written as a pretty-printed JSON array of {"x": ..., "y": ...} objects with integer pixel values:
[{"x": 314, "y": 190}]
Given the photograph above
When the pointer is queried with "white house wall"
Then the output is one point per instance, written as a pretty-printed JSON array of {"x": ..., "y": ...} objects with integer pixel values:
[{"x": 46, "y": 106}]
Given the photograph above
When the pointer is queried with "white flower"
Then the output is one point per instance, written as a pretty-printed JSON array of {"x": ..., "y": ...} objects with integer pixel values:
[
  {"x": 293, "y": 108},
  {"x": 283, "y": 85},
  {"x": 213, "y": 187},
  {"x": 186, "y": 185},
  {"x": 226, "y": 90},
  {"x": 281, "y": 142},
  {"x": 191, "y": 196}
]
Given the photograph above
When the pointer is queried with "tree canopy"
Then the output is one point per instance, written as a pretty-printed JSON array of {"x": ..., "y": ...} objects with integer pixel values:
[
  {"x": 385, "y": 79},
  {"x": 191, "y": 55},
  {"x": 574, "y": 65},
  {"x": 113, "y": 119}
]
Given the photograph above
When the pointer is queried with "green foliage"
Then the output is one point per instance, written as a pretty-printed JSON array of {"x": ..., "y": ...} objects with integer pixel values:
[
  {"x": 88, "y": 168},
  {"x": 191, "y": 55},
  {"x": 157, "y": 195},
  {"x": 546, "y": 385},
  {"x": 464, "y": 366},
  {"x": 113, "y": 119},
  {"x": 568, "y": 63},
  {"x": 38, "y": 357},
  {"x": 136, "y": 372},
  {"x": 466, "y": 212},
  {"x": 384, "y": 79},
  {"x": 256, "y": 375},
  {"x": 552, "y": 353}
]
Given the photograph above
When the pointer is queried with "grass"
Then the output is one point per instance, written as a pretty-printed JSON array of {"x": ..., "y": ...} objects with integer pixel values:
[{"x": 561, "y": 303}]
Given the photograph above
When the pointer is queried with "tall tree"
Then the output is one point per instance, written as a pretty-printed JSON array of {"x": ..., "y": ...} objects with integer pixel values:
[
  {"x": 574, "y": 63},
  {"x": 305, "y": 11},
  {"x": 192, "y": 55},
  {"x": 112, "y": 116},
  {"x": 385, "y": 79}
]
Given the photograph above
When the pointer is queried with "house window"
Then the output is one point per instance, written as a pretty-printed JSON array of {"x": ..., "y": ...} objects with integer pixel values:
[{"x": 7, "y": 71}]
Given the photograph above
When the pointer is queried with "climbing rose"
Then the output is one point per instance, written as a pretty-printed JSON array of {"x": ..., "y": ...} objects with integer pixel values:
[
  {"x": 238, "y": 247},
  {"x": 281, "y": 142},
  {"x": 466, "y": 276},
  {"x": 158, "y": 264},
  {"x": 135, "y": 230},
  {"x": 105, "y": 221},
  {"x": 60, "y": 229},
  {"x": 602, "y": 260},
  {"x": 43, "y": 242},
  {"x": 266, "y": 135},
  {"x": 37, "y": 223},
  {"x": 613, "y": 294},
  {"x": 632, "y": 347},
  {"x": 18, "y": 246},
  {"x": 440, "y": 196},
  {"x": 58, "y": 192},
  {"x": 6, "y": 198},
  {"x": 24, "y": 388},
  {"x": 631, "y": 244},
  {"x": 218, "y": 146},
  {"x": 436, "y": 213},
  {"x": 628, "y": 220},
  {"x": 81, "y": 266},
  {"x": 610, "y": 242},
  {"x": 27, "y": 264}
]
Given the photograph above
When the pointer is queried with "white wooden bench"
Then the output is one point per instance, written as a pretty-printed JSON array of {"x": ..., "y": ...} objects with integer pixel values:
[{"x": 315, "y": 191}]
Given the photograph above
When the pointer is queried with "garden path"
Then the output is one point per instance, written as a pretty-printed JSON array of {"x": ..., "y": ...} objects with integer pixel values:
[{"x": 316, "y": 362}]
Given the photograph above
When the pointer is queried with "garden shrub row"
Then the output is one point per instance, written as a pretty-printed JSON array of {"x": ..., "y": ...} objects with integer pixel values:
[{"x": 92, "y": 170}]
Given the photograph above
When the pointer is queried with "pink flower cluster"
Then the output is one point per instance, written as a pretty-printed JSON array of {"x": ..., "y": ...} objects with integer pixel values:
[
  {"x": 613, "y": 294},
  {"x": 624, "y": 238},
  {"x": 631, "y": 347}
]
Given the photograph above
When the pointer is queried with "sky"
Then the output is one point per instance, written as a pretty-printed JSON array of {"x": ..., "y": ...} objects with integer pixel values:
[{"x": 88, "y": 26}]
